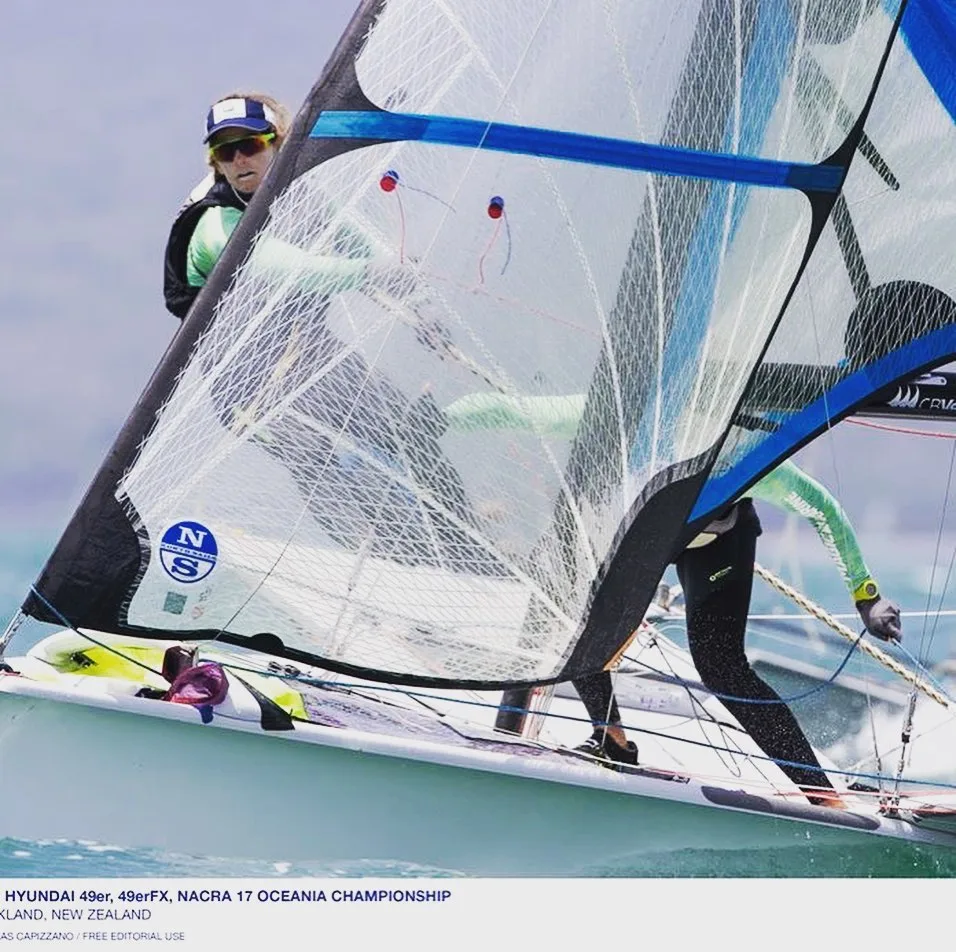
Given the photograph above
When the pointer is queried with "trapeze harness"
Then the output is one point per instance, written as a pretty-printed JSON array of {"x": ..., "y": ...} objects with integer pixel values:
[{"x": 177, "y": 290}]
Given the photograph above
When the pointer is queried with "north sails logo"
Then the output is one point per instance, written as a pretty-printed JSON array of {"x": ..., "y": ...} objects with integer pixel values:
[
  {"x": 908, "y": 399},
  {"x": 188, "y": 552}
]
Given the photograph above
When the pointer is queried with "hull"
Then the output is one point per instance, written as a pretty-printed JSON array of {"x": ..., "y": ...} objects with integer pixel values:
[{"x": 142, "y": 773}]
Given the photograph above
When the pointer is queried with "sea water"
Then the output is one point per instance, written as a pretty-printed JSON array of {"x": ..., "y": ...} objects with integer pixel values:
[{"x": 915, "y": 571}]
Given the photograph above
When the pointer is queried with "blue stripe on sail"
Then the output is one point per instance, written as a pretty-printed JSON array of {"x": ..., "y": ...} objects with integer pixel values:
[
  {"x": 721, "y": 490},
  {"x": 929, "y": 29},
  {"x": 576, "y": 147}
]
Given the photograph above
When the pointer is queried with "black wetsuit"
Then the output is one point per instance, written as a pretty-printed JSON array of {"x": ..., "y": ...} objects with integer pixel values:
[
  {"x": 177, "y": 290},
  {"x": 717, "y": 579}
]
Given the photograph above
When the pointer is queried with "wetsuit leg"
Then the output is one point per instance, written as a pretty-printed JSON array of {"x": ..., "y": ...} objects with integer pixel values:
[
  {"x": 717, "y": 580},
  {"x": 597, "y": 694}
]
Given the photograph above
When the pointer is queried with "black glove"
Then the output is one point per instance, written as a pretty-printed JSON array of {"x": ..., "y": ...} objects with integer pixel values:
[{"x": 881, "y": 617}]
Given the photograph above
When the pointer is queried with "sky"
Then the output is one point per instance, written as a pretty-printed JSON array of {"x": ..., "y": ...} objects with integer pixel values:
[{"x": 104, "y": 108}]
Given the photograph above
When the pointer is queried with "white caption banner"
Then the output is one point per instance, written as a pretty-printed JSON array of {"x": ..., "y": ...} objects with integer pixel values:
[{"x": 455, "y": 914}]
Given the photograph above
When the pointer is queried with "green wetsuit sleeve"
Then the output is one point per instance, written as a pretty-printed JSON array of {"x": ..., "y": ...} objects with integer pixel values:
[
  {"x": 309, "y": 270},
  {"x": 208, "y": 239},
  {"x": 790, "y": 488},
  {"x": 548, "y": 416}
]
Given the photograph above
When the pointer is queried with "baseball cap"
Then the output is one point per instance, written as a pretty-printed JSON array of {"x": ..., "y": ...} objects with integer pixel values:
[{"x": 239, "y": 113}]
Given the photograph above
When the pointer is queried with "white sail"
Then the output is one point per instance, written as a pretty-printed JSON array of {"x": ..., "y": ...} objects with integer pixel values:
[{"x": 609, "y": 202}]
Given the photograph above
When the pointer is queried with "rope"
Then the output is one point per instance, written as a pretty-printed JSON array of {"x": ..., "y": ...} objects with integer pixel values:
[
  {"x": 882, "y": 657},
  {"x": 910, "y": 431},
  {"x": 697, "y": 686}
]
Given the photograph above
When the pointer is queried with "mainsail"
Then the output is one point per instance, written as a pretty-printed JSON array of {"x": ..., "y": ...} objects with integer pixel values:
[
  {"x": 875, "y": 306},
  {"x": 627, "y": 200}
]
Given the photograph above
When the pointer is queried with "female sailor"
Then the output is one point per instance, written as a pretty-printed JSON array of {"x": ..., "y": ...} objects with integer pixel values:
[{"x": 716, "y": 572}]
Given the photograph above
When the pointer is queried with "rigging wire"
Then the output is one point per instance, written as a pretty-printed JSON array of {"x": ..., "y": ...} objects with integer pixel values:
[
  {"x": 111, "y": 648},
  {"x": 690, "y": 685},
  {"x": 905, "y": 735},
  {"x": 919, "y": 735},
  {"x": 877, "y": 759},
  {"x": 926, "y": 643},
  {"x": 844, "y": 616}
]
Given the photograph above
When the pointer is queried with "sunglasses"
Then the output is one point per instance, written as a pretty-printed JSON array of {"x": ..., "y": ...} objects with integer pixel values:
[{"x": 249, "y": 146}]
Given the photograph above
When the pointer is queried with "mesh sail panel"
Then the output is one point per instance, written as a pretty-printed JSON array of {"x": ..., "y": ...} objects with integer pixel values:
[
  {"x": 875, "y": 305},
  {"x": 496, "y": 312}
]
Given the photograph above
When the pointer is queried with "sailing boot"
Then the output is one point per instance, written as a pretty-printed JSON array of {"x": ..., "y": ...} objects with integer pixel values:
[{"x": 602, "y": 747}]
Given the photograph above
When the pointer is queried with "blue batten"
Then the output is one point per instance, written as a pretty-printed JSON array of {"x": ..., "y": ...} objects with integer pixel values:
[
  {"x": 576, "y": 147},
  {"x": 720, "y": 490}
]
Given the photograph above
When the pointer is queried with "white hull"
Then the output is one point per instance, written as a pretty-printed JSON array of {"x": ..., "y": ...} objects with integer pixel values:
[{"x": 142, "y": 773}]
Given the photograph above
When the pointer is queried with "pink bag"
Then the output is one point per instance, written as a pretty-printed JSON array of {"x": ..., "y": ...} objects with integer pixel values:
[{"x": 203, "y": 685}]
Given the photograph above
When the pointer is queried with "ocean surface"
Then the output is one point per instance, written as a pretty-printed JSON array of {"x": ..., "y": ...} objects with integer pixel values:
[{"x": 916, "y": 571}]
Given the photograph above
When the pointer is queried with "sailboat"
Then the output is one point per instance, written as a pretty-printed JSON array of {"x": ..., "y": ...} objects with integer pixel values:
[{"x": 291, "y": 599}]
